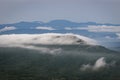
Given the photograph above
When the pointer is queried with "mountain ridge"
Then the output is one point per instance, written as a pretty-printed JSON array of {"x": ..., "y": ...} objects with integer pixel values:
[{"x": 55, "y": 23}]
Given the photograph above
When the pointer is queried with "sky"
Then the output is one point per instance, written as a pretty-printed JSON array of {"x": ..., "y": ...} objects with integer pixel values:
[{"x": 100, "y": 11}]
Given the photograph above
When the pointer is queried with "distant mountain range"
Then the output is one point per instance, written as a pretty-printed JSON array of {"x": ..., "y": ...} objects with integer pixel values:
[
  {"x": 63, "y": 26},
  {"x": 60, "y": 24},
  {"x": 54, "y": 26}
]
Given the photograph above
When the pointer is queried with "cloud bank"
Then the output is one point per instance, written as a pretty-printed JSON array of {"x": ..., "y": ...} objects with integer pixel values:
[
  {"x": 99, "y": 64},
  {"x": 102, "y": 28},
  {"x": 46, "y": 39},
  {"x": 45, "y": 28},
  {"x": 30, "y": 40},
  {"x": 7, "y": 28}
]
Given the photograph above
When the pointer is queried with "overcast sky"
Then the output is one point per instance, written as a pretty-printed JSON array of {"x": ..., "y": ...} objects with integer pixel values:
[{"x": 101, "y": 11}]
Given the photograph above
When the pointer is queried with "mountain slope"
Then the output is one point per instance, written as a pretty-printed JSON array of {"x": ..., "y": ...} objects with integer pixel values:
[
  {"x": 18, "y": 63},
  {"x": 22, "y": 59}
]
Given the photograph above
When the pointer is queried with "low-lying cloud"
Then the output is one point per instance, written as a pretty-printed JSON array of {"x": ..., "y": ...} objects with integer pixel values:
[
  {"x": 41, "y": 49},
  {"x": 118, "y": 34},
  {"x": 7, "y": 28},
  {"x": 102, "y": 28},
  {"x": 69, "y": 28},
  {"x": 45, "y": 28},
  {"x": 99, "y": 64},
  {"x": 46, "y": 39},
  {"x": 29, "y": 41}
]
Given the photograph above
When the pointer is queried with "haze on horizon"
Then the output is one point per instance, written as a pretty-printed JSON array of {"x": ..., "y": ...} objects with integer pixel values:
[{"x": 100, "y": 11}]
